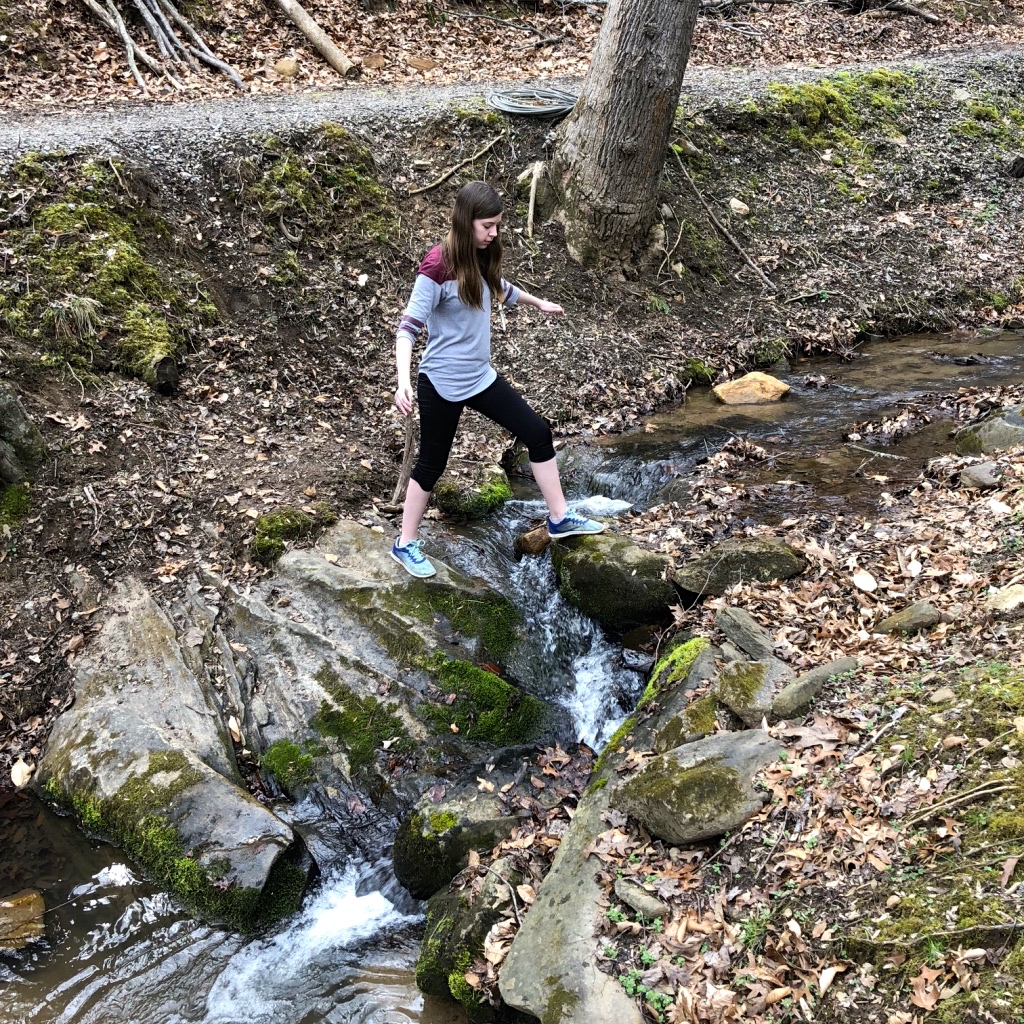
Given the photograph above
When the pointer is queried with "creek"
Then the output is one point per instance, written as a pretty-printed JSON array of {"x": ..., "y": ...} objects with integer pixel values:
[{"x": 119, "y": 952}]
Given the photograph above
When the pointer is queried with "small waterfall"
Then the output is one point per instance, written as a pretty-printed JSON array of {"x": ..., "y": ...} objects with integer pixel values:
[{"x": 565, "y": 656}]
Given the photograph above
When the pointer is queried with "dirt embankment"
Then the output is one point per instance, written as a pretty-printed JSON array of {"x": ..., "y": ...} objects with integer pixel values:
[{"x": 273, "y": 261}]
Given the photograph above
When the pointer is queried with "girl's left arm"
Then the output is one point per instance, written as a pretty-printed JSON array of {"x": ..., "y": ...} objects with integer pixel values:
[{"x": 542, "y": 304}]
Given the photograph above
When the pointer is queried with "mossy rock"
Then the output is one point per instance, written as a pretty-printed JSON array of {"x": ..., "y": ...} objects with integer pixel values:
[
  {"x": 21, "y": 443},
  {"x": 699, "y": 790},
  {"x": 167, "y": 793},
  {"x": 474, "y": 498},
  {"x": 274, "y": 529},
  {"x": 612, "y": 580},
  {"x": 485, "y": 707},
  {"x": 432, "y": 844},
  {"x": 760, "y": 559},
  {"x": 457, "y": 924},
  {"x": 998, "y": 431}
]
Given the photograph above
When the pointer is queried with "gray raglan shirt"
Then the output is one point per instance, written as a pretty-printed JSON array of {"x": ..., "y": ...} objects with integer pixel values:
[{"x": 458, "y": 355}]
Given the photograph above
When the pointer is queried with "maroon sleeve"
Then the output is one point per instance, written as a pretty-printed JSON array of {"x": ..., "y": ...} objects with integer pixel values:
[{"x": 434, "y": 267}]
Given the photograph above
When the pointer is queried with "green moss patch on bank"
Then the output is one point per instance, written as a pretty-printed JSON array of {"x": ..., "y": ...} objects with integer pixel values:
[
  {"x": 959, "y": 893},
  {"x": 89, "y": 287},
  {"x": 323, "y": 179},
  {"x": 15, "y": 502}
]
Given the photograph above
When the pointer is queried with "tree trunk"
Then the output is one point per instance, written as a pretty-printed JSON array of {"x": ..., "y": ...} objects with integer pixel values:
[{"x": 611, "y": 149}]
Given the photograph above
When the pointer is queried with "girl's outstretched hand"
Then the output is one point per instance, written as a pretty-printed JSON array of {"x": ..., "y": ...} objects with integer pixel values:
[
  {"x": 550, "y": 307},
  {"x": 403, "y": 398}
]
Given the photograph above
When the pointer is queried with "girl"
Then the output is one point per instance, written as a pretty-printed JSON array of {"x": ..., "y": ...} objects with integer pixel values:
[{"x": 452, "y": 299}]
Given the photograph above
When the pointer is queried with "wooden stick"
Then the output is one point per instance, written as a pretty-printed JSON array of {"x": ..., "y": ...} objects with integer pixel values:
[
  {"x": 904, "y": 8},
  {"x": 215, "y": 62},
  {"x": 451, "y": 170},
  {"x": 765, "y": 280},
  {"x": 537, "y": 167},
  {"x": 321, "y": 41},
  {"x": 408, "y": 457},
  {"x": 129, "y": 46}
]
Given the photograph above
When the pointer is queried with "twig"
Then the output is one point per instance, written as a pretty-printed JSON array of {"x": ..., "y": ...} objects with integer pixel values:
[
  {"x": 872, "y": 740},
  {"x": 523, "y": 26},
  {"x": 957, "y": 800},
  {"x": 765, "y": 280},
  {"x": 904, "y": 8},
  {"x": 214, "y": 62},
  {"x": 871, "y": 451},
  {"x": 978, "y": 750},
  {"x": 451, "y": 170},
  {"x": 129, "y": 46},
  {"x": 978, "y": 929},
  {"x": 771, "y": 852},
  {"x": 512, "y": 893},
  {"x": 537, "y": 43},
  {"x": 537, "y": 167}
]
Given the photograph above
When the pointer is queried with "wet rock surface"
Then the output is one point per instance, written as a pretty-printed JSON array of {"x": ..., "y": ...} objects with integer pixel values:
[
  {"x": 21, "y": 919},
  {"x": 1000, "y": 430},
  {"x": 612, "y": 580},
  {"x": 144, "y": 758},
  {"x": 754, "y": 388}
]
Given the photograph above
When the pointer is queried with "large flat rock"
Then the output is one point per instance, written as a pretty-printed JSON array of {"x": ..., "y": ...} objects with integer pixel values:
[{"x": 144, "y": 758}]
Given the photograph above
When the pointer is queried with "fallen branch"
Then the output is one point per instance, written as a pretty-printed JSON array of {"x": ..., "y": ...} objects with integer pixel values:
[
  {"x": 321, "y": 42},
  {"x": 977, "y": 930},
  {"x": 991, "y": 788},
  {"x": 408, "y": 456},
  {"x": 765, "y": 280},
  {"x": 904, "y": 8},
  {"x": 451, "y": 170}
]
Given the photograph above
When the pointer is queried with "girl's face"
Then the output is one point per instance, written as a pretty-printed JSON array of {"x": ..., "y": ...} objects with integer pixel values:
[{"x": 486, "y": 230}]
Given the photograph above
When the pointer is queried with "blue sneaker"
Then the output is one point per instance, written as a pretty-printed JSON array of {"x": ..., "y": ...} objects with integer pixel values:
[
  {"x": 412, "y": 559},
  {"x": 574, "y": 526}
]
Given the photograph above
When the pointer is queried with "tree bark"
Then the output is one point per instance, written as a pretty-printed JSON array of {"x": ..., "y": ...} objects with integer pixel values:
[
  {"x": 319, "y": 38},
  {"x": 611, "y": 149}
]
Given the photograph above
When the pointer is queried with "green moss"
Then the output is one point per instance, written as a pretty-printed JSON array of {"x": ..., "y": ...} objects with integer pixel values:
[
  {"x": 441, "y": 821},
  {"x": 154, "y": 844},
  {"x": 89, "y": 288},
  {"x": 769, "y": 351},
  {"x": 701, "y": 715},
  {"x": 14, "y": 504},
  {"x": 323, "y": 180},
  {"x": 612, "y": 746},
  {"x": 699, "y": 372},
  {"x": 288, "y": 764},
  {"x": 363, "y": 724},
  {"x": 485, "y": 707},
  {"x": 596, "y": 786},
  {"x": 484, "y": 614},
  {"x": 274, "y": 528},
  {"x": 1006, "y": 825},
  {"x": 458, "y": 986},
  {"x": 675, "y": 665},
  {"x": 560, "y": 1003},
  {"x": 459, "y": 501},
  {"x": 477, "y": 117},
  {"x": 705, "y": 790},
  {"x": 739, "y": 683}
]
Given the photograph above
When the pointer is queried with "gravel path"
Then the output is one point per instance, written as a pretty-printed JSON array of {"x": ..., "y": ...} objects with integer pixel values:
[{"x": 171, "y": 133}]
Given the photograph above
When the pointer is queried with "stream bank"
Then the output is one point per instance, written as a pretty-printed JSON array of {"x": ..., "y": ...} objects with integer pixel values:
[{"x": 900, "y": 668}]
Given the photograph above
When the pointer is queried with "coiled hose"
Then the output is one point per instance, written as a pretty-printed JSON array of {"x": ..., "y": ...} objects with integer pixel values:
[{"x": 549, "y": 103}]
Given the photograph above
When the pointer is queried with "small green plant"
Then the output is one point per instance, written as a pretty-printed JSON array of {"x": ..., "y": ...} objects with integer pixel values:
[
  {"x": 647, "y": 958},
  {"x": 615, "y": 915},
  {"x": 754, "y": 930}
]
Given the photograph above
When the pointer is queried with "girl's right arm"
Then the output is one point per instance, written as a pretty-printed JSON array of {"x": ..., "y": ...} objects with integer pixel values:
[{"x": 426, "y": 293}]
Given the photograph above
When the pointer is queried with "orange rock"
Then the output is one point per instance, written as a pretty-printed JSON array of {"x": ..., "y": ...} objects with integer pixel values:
[{"x": 753, "y": 389}]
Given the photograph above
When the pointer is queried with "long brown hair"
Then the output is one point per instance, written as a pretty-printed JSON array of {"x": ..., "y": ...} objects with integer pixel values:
[{"x": 471, "y": 265}]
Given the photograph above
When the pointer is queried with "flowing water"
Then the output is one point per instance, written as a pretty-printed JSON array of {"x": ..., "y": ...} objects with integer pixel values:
[{"x": 119, "y": 952}]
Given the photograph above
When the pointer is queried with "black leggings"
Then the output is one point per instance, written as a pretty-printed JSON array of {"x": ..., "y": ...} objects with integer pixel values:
[{"x": 439, "y": 419}]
